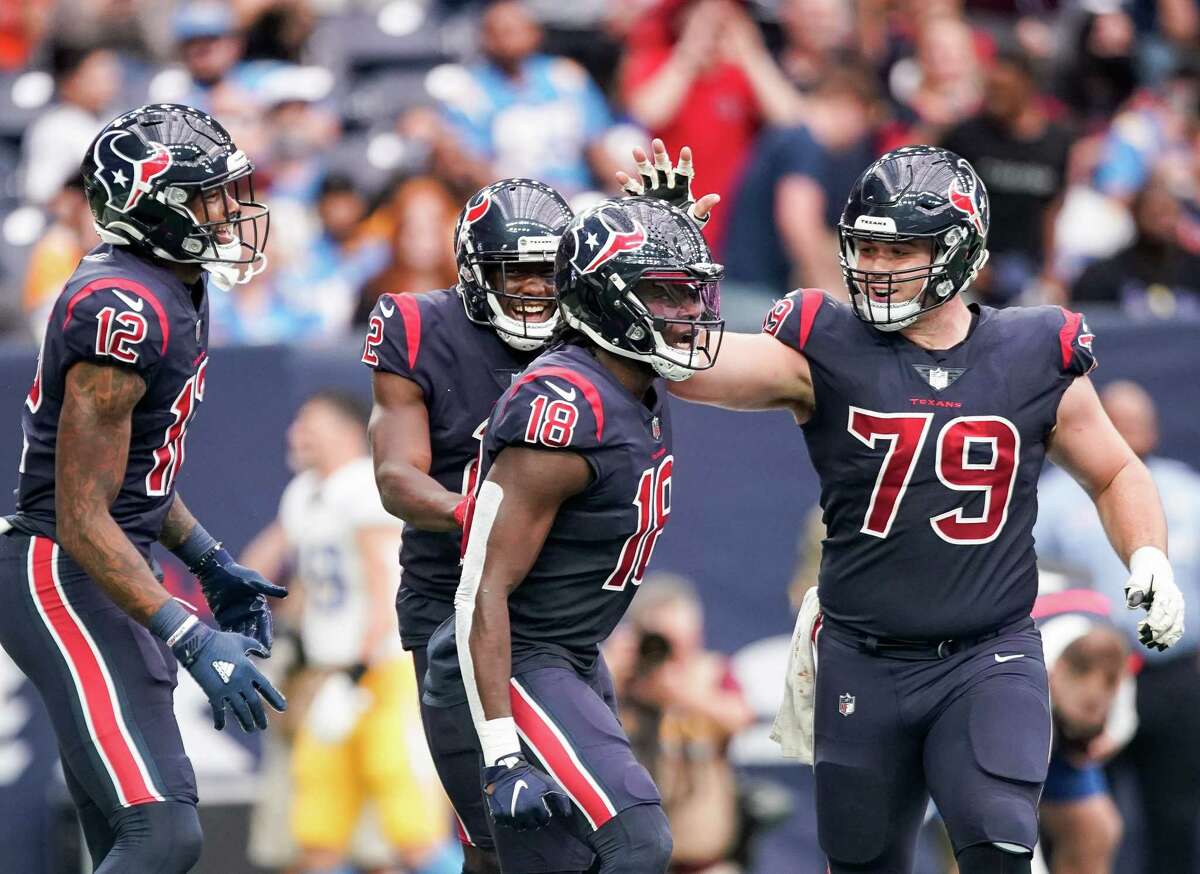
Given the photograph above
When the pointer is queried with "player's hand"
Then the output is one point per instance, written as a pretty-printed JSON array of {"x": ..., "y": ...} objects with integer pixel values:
[
  {"x": 1152, "y": 587},
  {"x": 218, "y": 662},
  {"x": 672, "y": 183},
  {"x": 237, "y": 597},
  {"x": 336, "y": 708},
  {"x": 521, "y": 797}
]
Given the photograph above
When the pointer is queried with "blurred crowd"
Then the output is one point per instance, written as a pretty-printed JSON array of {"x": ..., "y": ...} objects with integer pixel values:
[{"x": 370, "y": 121}]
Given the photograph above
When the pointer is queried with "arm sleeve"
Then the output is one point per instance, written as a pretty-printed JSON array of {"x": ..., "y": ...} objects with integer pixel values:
[
  {"x": 116, "y": 321},
  {"x": 395, "y": 330},
  {"x": 553, "y": 409}
]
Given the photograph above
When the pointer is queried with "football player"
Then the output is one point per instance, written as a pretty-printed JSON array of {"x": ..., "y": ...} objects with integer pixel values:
[
  {"x": 1092, "y": 696},
  {"x": 928, "y": 420},
  {"x": 353, "y": 743},
  {"x": 119, "y": 379},
  {"x": 576, "y": 465},
  {"x": 440, "y": 360}
]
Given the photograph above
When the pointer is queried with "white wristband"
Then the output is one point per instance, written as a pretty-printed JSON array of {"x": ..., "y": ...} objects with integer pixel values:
[
  {"x": 1151, "y": 561},
  {"x": 498, "y": 737}
]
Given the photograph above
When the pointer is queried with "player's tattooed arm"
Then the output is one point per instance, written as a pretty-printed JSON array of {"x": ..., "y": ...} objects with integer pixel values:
[
  {"x": 177, "y": 525},
  {"x": 92, "y": 453},
  {"x": 399, "y": 432},
  {"x": 1086, "y": 444},
  {"x": 753, "y": 372},
  {"x": 516, "y": 508}
]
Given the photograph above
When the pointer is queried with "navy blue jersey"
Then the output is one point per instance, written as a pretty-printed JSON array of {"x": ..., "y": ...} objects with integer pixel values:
[
  {"x": 121, "y": 310},
  {"x": 596, "y": 552},
  {"x": 929, "y": 461},
  {"x": 461, "y": 368}
]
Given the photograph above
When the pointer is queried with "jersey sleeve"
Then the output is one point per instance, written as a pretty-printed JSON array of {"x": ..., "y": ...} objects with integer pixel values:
[
  {"x": 792, "y": 319},
  {"x": 1075, "y": 344},
  {"x": 116, "y": 321},
  {"x": 393, "y": 343},
  {"x": 551, "y": 408}
]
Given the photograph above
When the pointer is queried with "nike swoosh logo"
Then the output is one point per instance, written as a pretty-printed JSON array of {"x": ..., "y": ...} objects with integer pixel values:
[
  {"x": 386, "y": 307},
  {"x": 512, "y": 811},
  {"x": 1008, "y": 658},
  {"x": 568, "y": 396},
  {"x": 134, "y": 303}
]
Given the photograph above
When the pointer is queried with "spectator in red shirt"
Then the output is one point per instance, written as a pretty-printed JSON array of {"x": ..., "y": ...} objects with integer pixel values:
[{"x": 711, "y": 84}]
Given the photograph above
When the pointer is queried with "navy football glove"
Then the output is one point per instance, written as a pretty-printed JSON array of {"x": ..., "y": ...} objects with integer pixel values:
[
  {"x": 521, "y": 797},
  {"x": 236, "y": 595},
  {"x": 218, "y": 662}
]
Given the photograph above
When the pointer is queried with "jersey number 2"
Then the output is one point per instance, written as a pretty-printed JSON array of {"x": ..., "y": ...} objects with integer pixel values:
[
  {"x": 905, "y": 436},
  {"x": 653, "y": 502}
]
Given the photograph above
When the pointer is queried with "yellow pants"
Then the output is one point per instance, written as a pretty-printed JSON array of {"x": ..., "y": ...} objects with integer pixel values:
[{"x": 383, "y": 760}]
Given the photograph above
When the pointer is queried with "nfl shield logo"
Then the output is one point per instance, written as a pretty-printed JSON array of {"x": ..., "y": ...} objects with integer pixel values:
[
  {"x": 656, "y": 428},
  {"x": 846, "y": 704},
  {"x": 939, "y": 378}
]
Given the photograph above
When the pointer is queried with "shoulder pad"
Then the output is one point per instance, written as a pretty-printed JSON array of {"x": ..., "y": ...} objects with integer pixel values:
[
  {"x": 551, "y": 406},
  {"x": 116, "y": 320}
]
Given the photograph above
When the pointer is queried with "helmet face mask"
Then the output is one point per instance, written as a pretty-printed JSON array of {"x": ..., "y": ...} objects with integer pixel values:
[
  {"x": 150, "y": 177},
  {"x": 914, "y": 194},
  {"x": 636, "y": 278},
  {"x": 506, "y": 232},
  {"x": 523, "y": 320}
]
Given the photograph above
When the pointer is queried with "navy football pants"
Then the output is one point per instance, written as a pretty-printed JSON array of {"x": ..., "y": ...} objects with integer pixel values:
[
  {"x": 971, "y": 729},
  {"x": 105, "y": 680}
]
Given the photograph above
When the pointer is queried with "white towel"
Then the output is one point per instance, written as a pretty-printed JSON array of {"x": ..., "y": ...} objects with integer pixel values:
[{"x": 793, "y": 727}]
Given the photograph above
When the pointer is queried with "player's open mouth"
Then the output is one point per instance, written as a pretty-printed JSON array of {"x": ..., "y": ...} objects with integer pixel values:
[{"x": 529, "y": 311}]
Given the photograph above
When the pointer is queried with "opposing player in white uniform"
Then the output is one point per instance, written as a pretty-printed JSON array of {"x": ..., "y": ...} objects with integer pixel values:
[{"x": 361, "y": 737}]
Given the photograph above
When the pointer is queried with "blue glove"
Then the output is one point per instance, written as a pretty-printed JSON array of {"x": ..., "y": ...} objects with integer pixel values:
[
  {"x": 218, "y": 662},
  {"x": 235, "y": 594},
  {"x": 521, "y": 797}
]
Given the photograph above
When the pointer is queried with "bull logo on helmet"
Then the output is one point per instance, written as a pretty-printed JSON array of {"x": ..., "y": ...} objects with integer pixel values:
[
  {"x": 964, "y": 195},
  {"x": 605, "y": 234},
  {"x": 125, "y": 177}
]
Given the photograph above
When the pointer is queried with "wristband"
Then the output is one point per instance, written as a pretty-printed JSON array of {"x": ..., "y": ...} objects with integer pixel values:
[
  {"x": 498, "y": 737},
  {"x": 1149, "y": 560},
  {"x": 178, "y": 628},
  {"x": 197, "y": 548}
]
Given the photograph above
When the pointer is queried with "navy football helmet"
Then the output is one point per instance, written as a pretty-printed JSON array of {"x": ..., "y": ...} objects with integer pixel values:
[
  {"x": 510, "y": 225},
  {"x": 636, "y": 277},
  {"x": 153, "y": 177},
  {"x": 915, "y": 192}
]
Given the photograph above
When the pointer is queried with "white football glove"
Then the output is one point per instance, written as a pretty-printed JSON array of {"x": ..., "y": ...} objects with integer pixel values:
[
  {"x": 661, "y": 179},
  {"x": 1152, "y": 587},
  {"x": 336, "y": 708}
]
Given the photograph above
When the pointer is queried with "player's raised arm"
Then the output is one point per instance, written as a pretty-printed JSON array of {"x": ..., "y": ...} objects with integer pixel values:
[
  {"x": 399, "y": 433},
  {"x": 753, "y": 372},
  {"x": 513, "y": 512},
  {"x": 1087, "y": 445}
]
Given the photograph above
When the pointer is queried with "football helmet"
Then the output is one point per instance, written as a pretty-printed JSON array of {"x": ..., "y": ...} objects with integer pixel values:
[
  {"x": 915, "y": 192},
  {"x": 168, "y": 179},
  {"x": 636, "y": 277},
  {"x": 510, "y": 225}
]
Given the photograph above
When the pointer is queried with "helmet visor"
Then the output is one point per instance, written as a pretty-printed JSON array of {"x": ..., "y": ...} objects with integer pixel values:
[{"x": 685, "y": 317}]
